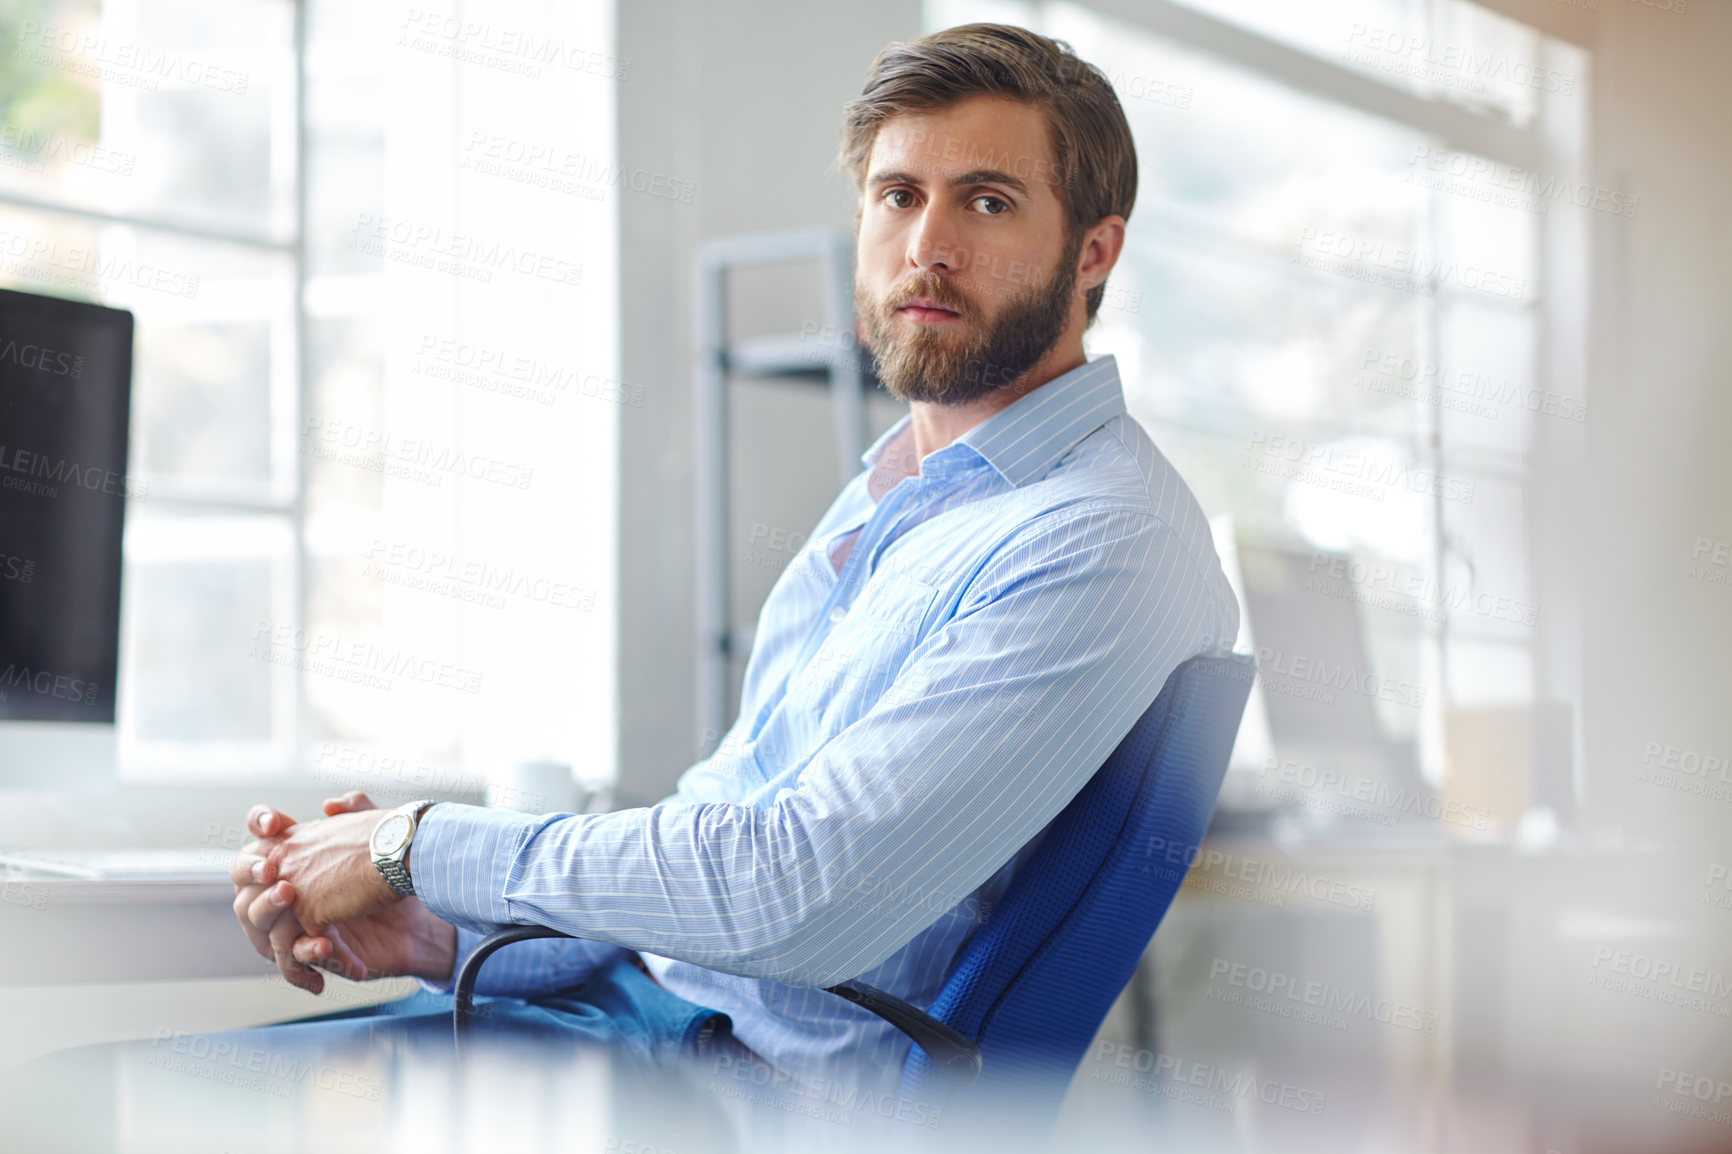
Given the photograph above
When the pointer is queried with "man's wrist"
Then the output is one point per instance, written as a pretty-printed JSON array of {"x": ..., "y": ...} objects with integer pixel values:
[
  {"x": 419, "y": 814},
  {"x": 439, "y": 952}
]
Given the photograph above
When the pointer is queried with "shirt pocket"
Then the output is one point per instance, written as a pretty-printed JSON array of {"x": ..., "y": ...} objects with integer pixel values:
[
  {"x": 894, "y": 603},
  {"x": 865, "y": 650}
]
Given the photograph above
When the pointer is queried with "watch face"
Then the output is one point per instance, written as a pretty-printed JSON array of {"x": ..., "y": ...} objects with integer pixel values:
[{"x": 389, "y": 834}]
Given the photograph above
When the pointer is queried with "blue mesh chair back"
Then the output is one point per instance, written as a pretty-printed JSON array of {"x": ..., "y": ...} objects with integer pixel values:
[{"x": 1034, "y": 984}]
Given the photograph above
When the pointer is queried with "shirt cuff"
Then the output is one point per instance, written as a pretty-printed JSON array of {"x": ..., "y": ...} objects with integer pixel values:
[{"x": 461, "y": 859}]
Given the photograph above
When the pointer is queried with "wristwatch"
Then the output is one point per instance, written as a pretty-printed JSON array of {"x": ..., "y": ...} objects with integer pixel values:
[{"x": 390, "y": 844}]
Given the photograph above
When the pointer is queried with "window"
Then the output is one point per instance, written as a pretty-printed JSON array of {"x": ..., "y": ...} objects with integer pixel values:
[{"x": 376, "y": 387}]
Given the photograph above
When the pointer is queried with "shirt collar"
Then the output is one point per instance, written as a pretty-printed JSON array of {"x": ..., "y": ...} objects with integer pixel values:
[{"x": 1024, "y": 438}]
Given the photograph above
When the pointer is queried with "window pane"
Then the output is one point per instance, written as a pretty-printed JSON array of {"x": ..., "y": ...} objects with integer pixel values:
[
  {"x": 1481, "y": 381},
  {"x": 1219, "y": 335},
  {"x": 213, "y": 370},
  {"x": 206, "y": 653},
  {"x": 1452, "y": 51},
  {"x": 167, "y": 109},
  {"x": 1299, "y": 168}
]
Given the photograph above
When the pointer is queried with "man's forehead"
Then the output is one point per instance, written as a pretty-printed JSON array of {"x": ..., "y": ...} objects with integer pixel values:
[{"x": 979, "y": 133}]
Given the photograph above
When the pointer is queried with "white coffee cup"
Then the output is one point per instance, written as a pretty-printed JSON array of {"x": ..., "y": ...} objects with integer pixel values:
[{"x": 536, "y": 786}]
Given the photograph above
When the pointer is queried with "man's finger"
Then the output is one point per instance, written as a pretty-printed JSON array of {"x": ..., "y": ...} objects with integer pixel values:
[
  {"x": 267, "y": 821},
  {"x": 283, "y": 937},
  {"x": 252, "y": 867},
  {"x": 350, "y": 802},
  {"x": 243, "y": 903},
  {"x": 331, "y": 953},
  {"x": 269, "y": 907}
]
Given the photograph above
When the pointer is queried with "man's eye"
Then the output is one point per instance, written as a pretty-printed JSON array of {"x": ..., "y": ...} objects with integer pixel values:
[
  {"x": 895, "y": 192},
  {"x": 1003, "y": 205}
]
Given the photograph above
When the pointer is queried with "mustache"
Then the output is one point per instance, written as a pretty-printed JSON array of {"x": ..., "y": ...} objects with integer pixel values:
[{"x": 933, "y": 289}]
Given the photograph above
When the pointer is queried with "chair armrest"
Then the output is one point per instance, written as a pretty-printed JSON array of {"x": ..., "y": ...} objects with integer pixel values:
[
  {"x": 463, "y": 990},
  {"x": 955, "y": 1055}
]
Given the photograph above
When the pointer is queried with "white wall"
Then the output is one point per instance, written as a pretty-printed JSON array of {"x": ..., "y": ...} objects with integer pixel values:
[
  {"x": 745, "y": 102},
  {"x": 1658, "y": 470}
]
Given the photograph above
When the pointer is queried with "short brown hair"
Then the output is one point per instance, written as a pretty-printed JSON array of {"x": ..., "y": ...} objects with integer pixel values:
[{"x": 1095, "y": 158}]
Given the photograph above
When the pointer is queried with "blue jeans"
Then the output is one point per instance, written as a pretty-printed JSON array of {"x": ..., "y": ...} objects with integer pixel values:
[
  {"x": 618, "y": 1029},
  {"x": 618, "y": 1006}
]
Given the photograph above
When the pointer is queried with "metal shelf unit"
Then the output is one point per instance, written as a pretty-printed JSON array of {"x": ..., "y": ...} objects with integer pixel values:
[{"x": 829, "y": 358}]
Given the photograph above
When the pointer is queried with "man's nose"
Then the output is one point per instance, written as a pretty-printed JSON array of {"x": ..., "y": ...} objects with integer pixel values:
[{"x": 933, "y": 243}]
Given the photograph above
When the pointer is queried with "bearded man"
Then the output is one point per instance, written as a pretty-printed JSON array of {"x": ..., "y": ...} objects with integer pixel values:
[{"x": 975, "y": 623}]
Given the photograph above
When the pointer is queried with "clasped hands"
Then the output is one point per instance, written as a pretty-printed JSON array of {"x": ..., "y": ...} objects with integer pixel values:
[{"x": 310, "y": 898}]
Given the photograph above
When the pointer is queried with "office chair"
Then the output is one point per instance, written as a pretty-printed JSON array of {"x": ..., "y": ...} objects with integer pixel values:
[{"x": 1032, "y": 986}]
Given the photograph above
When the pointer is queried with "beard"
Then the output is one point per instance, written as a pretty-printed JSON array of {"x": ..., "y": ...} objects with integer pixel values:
[{"x": 932, "y": 365}]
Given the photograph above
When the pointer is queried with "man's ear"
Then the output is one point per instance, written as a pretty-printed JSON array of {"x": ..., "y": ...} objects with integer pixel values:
[{"x": 1101, "y": 246}]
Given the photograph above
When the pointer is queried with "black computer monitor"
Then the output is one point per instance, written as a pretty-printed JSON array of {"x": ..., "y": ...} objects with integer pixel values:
[{"x": 65, "y": 393}]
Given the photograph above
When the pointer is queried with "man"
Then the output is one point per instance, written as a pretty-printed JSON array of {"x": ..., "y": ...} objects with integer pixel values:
[{"x": 971, "y": 628}]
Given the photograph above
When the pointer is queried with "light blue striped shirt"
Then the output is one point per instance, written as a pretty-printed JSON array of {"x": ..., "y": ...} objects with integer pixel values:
[{"x": 908, "y": 728}]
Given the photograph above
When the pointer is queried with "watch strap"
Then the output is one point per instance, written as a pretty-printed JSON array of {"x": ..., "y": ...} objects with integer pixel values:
[{"x": 396, "y": 875}]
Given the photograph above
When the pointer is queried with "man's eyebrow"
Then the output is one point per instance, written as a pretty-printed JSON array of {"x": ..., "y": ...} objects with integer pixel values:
[{"x": 977, "y": 176}]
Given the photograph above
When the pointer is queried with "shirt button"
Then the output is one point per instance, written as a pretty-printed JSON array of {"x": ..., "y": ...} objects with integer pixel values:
[{"x": 837, "y": 614}]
